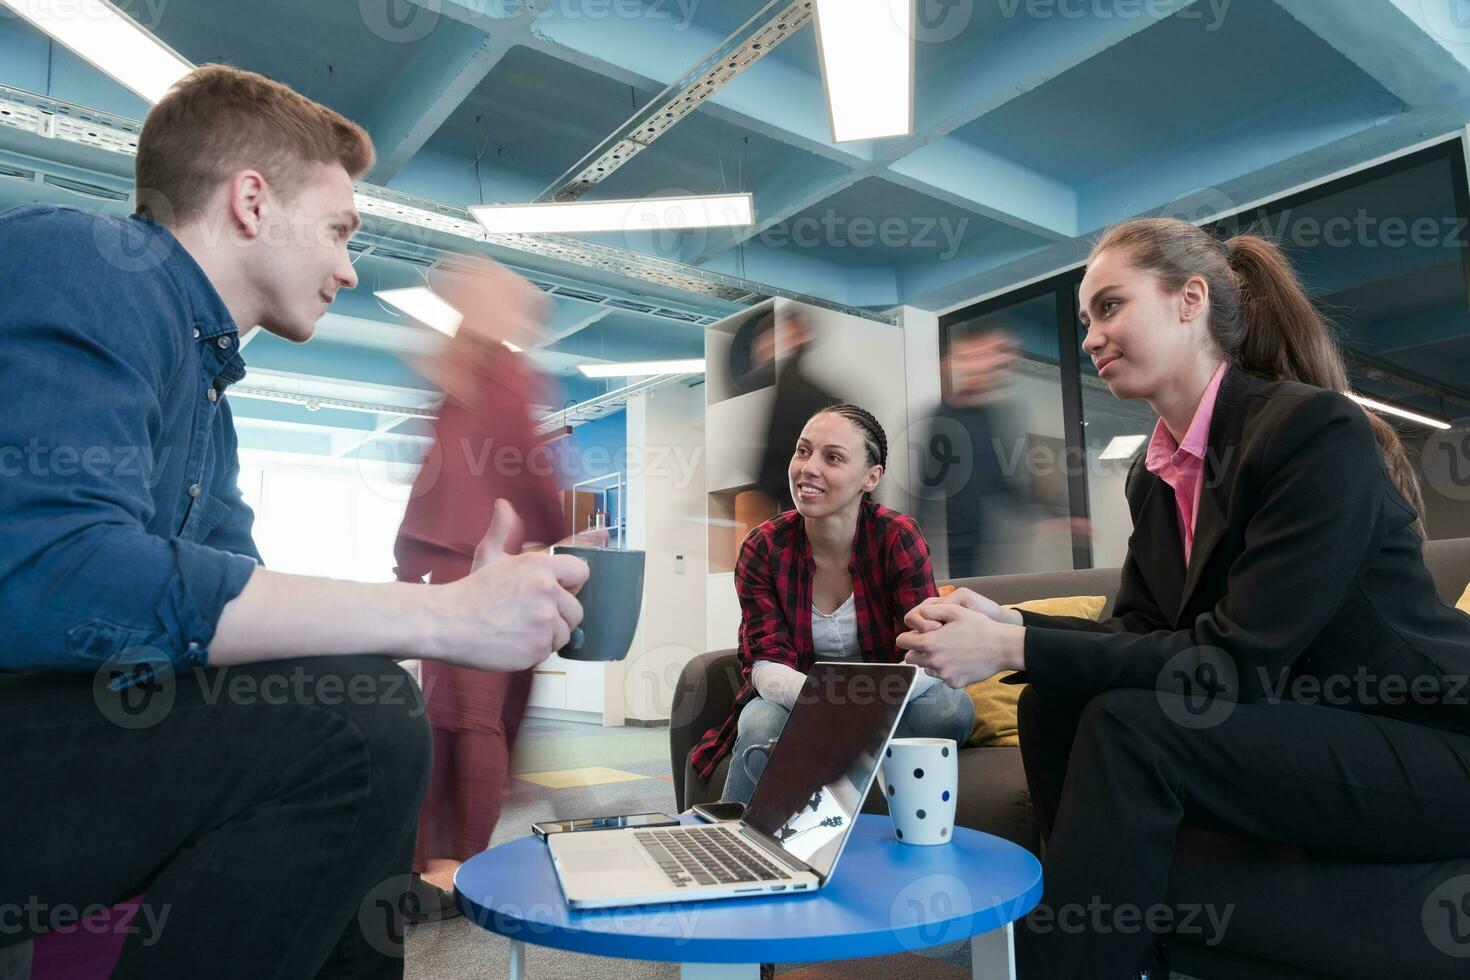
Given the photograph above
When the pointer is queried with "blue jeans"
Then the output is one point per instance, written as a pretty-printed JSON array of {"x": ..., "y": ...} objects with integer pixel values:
[{"x": 940, "y": 712}]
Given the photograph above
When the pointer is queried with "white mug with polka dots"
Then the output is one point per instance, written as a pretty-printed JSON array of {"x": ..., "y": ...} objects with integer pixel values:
[{"x": 921, "y": 780}]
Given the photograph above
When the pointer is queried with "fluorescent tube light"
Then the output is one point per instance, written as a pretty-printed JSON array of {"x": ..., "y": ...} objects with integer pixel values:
[
  {"x": 867, "y": 54},
  {"x": 639, "y": 368},
  {"x": 1400, "y": 412},
  {"x": 112, "y": 41},
  {"x": 1123, "y": 447},
  {"x": 425, "y": 307},
  {"x": 640, "y": 214}
]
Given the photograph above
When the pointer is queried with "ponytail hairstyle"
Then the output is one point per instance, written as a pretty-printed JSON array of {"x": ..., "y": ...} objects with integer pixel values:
[
  {"x": 875, "y": 440},
  {"x": 1260, "y": 316}
]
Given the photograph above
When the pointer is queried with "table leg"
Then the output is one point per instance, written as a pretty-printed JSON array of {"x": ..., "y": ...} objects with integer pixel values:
[
  {"x": 719, "y": 971},
  {"x": 993, "y": 955},
  {"x": 517, "y": 960}
]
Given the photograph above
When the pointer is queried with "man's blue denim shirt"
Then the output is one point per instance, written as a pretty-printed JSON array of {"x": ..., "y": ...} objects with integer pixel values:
[{"x": 125, "y": 531}]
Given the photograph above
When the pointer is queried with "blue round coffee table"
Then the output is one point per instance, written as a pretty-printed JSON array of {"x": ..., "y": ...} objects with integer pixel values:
[{"x": 884, "y": 897}]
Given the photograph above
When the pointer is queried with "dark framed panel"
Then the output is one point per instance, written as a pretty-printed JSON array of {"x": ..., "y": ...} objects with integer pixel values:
[{"x": 1043, "y": 452}]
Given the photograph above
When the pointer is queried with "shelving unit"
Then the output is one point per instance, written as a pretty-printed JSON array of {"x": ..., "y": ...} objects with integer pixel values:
[{"x": 607, "y": 493}]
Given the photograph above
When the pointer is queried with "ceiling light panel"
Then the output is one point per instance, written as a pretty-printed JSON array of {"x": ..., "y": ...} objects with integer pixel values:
[
  {"x": 635, "y": 369},
  {"x": 1402, "y": 413},
  {"x": 1123, "y": 447},
  {"x": 110, "y": 40},
  {"x": 423, "y": 305},
  {"x": 867, "y": 54},
  {"x": 631, "y": 215}
]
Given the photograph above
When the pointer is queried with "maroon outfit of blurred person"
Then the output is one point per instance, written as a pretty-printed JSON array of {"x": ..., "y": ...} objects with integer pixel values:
[{"x": 481, "y": 452}]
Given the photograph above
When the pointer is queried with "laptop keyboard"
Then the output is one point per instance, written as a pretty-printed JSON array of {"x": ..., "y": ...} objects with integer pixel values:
[{"x": 706, "y": 856}]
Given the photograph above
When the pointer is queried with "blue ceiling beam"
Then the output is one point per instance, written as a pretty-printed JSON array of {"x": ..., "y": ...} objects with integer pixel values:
[
  {"x": 1410, "y": 56},
  {"x": 593, "y": 348},
  {"x": 927, "y": 290},
  {"x": 448, "y": 177},
  {"x": 875, "y": 286},
  {"x": 1416, "y": 49},
  {"x": 1025, "y": 57},
  {"x": 773, "y": 89},
  {"x": 785, "y": 268},
  {"x": 935, "y": 285},
  {"x": 455, "y": 59},
  {"x": 783, "y": 195},
  {"x": 970, "y": 89},
  {"x": 772, "y": 99},
  {"x": 333, "y": 359},
  {"x": 483, "y": 15},
  {"x": 1235, "y": 166},
  {"x": 988, "y": 184}
]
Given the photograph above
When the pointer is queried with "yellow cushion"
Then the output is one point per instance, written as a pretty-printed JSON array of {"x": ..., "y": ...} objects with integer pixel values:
[
  {"x": 995, "y": 702},
  {"x": 1464, "y": 604}
]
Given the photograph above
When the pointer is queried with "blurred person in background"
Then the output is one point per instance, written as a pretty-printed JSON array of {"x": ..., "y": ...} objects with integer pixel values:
[
  {"x": 484, "y": 457},
  {"x": 976, "y": 460},
  {"x": 780, "y": 346},
  {"x": 965, "y": 477}
]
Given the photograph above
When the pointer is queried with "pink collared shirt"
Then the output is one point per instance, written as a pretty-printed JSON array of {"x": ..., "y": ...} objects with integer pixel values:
[{"x": 1181, "y": 464}]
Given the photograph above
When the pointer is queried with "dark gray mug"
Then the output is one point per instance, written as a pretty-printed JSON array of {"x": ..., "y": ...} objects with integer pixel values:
[{"x": 611, "y": 600}]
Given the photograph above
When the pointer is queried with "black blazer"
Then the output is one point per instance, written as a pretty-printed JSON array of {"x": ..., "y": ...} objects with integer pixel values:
[{"x": 1305, "y": 571}]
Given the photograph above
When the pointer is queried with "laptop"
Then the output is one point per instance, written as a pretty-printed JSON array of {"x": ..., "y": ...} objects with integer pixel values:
[{"x": 798, "y": 819}]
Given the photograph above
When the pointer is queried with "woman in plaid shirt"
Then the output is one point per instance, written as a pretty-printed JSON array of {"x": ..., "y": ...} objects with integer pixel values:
[{"x": 830, "y": 580}]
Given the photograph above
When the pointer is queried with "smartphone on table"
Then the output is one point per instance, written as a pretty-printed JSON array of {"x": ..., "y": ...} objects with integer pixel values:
[
  {"x": 719, "y": 812},
  {"x": 602, "y": 823}
]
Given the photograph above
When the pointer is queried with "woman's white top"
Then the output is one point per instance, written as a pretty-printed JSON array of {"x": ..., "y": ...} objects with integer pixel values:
[{"x": 835, "y": 634}]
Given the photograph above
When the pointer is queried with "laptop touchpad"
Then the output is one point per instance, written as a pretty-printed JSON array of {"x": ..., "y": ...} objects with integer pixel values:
[{"x": 604, "y": 859}]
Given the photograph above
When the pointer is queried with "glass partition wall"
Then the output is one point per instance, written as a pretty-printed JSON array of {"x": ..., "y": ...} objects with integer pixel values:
[{"x": 1382, "y": 251}]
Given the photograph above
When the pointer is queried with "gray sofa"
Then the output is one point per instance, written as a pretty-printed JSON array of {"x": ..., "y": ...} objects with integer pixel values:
[{"x": 1295, "y": 917}]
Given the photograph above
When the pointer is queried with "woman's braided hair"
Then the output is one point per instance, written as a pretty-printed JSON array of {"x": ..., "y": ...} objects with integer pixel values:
[{"x": 874, "y": 438}]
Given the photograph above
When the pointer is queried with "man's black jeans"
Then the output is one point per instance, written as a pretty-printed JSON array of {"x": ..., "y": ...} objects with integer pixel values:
[{"x": 266, "y": 811}]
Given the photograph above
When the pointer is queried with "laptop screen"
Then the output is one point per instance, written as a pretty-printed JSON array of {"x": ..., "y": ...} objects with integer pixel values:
[{"x": 821, "y": 767}]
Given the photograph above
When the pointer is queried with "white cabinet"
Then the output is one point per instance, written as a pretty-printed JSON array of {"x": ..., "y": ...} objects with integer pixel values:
[
  {"x": 568, "y": 689},
  {"x": 722, "y": 612},
  {"x": 734, "y": 432}
]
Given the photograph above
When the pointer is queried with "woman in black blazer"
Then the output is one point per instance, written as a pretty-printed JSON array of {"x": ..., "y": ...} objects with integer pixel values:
[{"x": 1296, "y": 678}]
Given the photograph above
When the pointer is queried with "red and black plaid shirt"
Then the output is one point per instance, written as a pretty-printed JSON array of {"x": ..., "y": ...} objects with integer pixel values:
[{"x": 891, "y": 574}]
